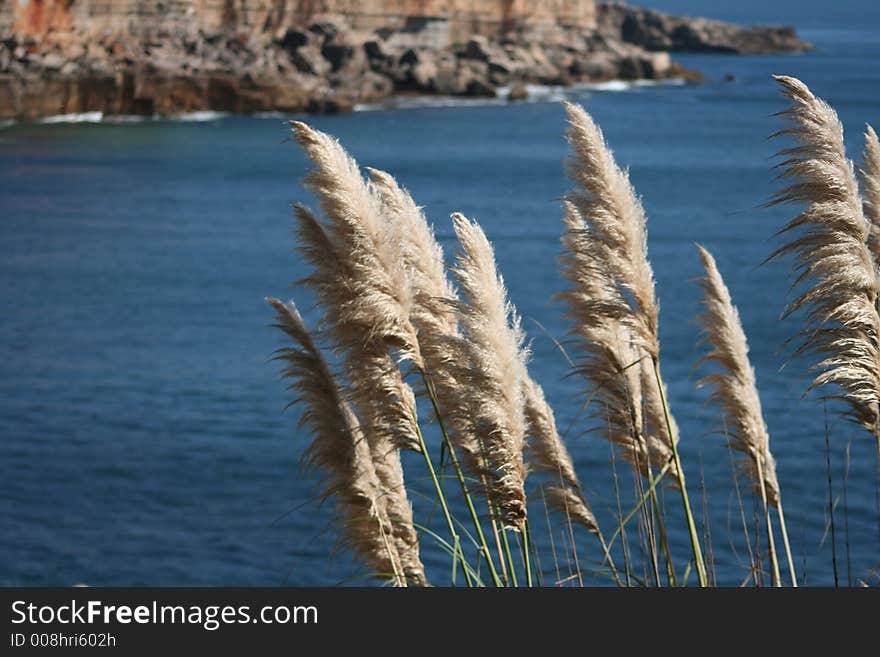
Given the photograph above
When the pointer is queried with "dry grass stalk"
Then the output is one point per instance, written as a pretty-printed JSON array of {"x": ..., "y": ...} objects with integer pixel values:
[
  {"x": 338, "y": 449},
  {"x": 488, "y": 363},
  {"x": 431, "y": 314},
  {"x": 733, "y": 386},
  {"x": 384, "y": 401},
  {"x": 657, "y": 433},
  {"x": 422, "y": 257},
  {"x": 831, "y": 255},
  {"x": 616, "y": 239},
  {"x": 360, "y": 283},
  {"x": 548, "y": 454},
  {"x": 870, "y": 179},
  {"x": 377, "y": 305},
  {"x": 608, "y": 356},
  {"x": 614, "y": 247}
]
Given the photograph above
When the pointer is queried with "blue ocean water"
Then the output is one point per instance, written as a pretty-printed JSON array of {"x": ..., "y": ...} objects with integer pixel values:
[{"x": 142, "y": 429}]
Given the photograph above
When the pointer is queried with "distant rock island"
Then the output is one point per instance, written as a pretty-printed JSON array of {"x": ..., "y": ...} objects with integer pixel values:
[{"x": 163, "y": 57}]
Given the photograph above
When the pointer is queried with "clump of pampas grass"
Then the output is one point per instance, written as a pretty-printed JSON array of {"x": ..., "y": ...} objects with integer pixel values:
[
  {"x": 607, "y": 355},
  {"x": 612, "y": 297},
  {"x": 433, "y": 314},
  {"x": 359, "y": 281},
  {"x": 489, "y": 366},
  {"x": 379, "y": 301},
  {"x": 735, "y": 391},
  {"x": 831, "y": 255},
  {"x": 338, "y": 449},
  {"x": 733, "y": 386},
  {"x": 390, "y": 310},
  {"x": 606, "y": 239}
]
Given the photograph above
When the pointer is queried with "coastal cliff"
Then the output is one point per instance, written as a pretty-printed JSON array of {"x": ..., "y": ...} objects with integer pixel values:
[
  {"x": 153, "y": 57},
  {"x": 658, "y": 31}
]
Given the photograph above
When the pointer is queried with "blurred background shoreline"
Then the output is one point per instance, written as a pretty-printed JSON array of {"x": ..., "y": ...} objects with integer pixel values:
[{"x": 134, "y": 58}]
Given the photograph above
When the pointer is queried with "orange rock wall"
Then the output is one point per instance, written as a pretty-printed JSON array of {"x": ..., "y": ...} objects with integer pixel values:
[{"x": 147, "y": 18}]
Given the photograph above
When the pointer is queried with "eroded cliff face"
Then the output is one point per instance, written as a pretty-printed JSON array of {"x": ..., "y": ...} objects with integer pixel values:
[
  {"x": 158, "y": 18},
  {"x": 173, "y": 56},
  {"x": 169, "y": 56}
]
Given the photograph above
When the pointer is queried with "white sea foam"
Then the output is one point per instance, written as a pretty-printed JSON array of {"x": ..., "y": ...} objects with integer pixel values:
[
  {"x": 199, "y": 117},
  {"x": 128, "y": 118},
  {"x": 542, "y": 93},
  {"x": 100, "y": 117},
  {"x": 416, "y": 102},
  {"x": 537, "y": 93},
  {"x": 84, "y": 117},
  {"x": 610, "y": 85}
]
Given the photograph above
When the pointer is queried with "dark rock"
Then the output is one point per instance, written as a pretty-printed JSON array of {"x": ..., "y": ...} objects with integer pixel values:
[
  {"x": 518, "y": 92},
  {"x": 222, "y": 93},
  {"x": 416, "y": 71},
  {"x": 409, "y": 58},
  {"x": 690, "y": 76},
  {"x": 309, "y": 59},
  {"x": 294, "y": 39},
  {"x": 631, "y": 68},
  {"x": 338, "y": 54},
  {"x": 378, "y": 52},
  {"x": 477, "y": 48},
  {"x": 655, "y": 30},
  {"x": 503, "y": 66},
  {"x": 480, "y": 88},
  {"x": 329, "y": 105},
  {"x": 326, "y": 30}
]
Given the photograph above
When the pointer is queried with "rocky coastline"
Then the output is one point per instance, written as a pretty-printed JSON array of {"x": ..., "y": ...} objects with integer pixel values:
[{"x": 328, "y": 66}]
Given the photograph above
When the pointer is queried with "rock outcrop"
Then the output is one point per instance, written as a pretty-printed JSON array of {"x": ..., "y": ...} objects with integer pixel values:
[
  {"x": 657, "y": 31},
  {"x": 148, "y": 57}
]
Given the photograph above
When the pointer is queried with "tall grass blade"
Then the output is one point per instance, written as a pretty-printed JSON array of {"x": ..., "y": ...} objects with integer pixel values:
[
  {"x": 338, "y": 449},
  {"x": 829, "y": 246}
]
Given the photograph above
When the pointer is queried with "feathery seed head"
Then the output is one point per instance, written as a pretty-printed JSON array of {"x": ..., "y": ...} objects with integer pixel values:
[
  {"x": 360, "y": 281},
  {"x": 870, "y": 179},
  {"x": 379, "y": 308},
  {"x": 549, "y": 455},
  {"x": 611, "y": 299},
  {"x": 614, "y": 225},
  {"x": 830, "y": 254},
  {"x": 422, "y": 256},
  {"x": 733, "y": 386},
  {"x": 490, "y": 367},
  {"x": 338, "y": 449}
]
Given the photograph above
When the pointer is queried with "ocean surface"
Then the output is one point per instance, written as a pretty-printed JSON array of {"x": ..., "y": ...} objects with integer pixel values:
[{"x": 143, "y": 436}]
